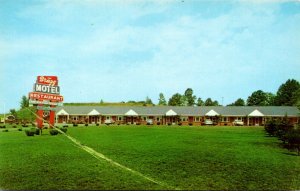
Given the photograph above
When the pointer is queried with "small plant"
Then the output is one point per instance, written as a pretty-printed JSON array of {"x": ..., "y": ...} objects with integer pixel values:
[
  {"x": 65, "y": 126},
  {"x": 158, "y": 123},
  {"x": 2, "y": 127},
  {"x": 86, "y": 124},
  {"x": 169, "y": 123},
  {"x": 179, "y": 123},
  {"x": 29, "y": 132},
  {"x": 190, "y": 124},
  {"x": 5, "y": 130},
  {"x": 20, "y": 129},
  {"x": 14, "y": 126},
  {"x": 53, "y": 132},
  {"x": 63, "y": 129}
]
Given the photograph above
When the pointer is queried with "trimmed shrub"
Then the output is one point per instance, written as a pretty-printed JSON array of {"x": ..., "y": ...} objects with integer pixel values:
[
  {"x": 65, "y": 126},
  {"x": 97, "y": 124},
  {"x": 5, "y": 130},
  {"x": 271, "y": 127},
  {"x": 158, "y": 123},
  {"x": 179, "y": 123},
  {"x": 169, "y": 123},
  {"x": 2, "y": 127},
  {"x": 63, "y": 129},
  {"x": 20, "y": 129},
  {"x": 53, "y": 132},
  {"x": 86, "y": 124},
  {"x": 29, "y": 132}
]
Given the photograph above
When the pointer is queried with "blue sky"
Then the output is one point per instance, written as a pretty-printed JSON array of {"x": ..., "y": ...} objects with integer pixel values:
[{"x": 127, "y": 50}]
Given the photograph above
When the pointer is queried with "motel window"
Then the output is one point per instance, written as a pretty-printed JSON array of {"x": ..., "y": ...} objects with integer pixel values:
[
  {"x": 145, "y": 118},
  {"x": 107, "y": 117},
  {"x": 120, "y": 118},
  {"x": 225, "y": 119},
  {"x": 197, "y": 118},
  {"x": 183, "y": 118},
  {"x": 157, "y": 119}
]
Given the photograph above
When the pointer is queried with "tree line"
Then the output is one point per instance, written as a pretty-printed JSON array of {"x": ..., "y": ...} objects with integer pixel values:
[{"x": 288, "y": 94}]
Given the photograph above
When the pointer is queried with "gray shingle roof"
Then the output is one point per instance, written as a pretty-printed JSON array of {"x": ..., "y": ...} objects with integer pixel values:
[{"x": 183, "y": 110}]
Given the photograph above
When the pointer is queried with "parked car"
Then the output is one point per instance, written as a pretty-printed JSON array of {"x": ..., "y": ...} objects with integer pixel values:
[
  {"x": 108, "y": 122},
  {"x": 238, "y": 122},
  {"x": 149, "y": 122},
  {"x": 208, "y": 122}
]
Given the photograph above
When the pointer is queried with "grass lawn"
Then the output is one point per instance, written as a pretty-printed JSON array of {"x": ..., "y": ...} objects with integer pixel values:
[{"x": 201, "y": 158}]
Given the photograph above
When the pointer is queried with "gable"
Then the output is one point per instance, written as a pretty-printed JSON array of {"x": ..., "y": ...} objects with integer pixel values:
[
  {"x": 171, "y": 113},
  {"x": 62, "y": 112},
  {"x": 94, "y": 112},
  {"x": 211, "y": 113},
  {"x": 131, "y": 113},
  {"x": 256, "y": 113}
]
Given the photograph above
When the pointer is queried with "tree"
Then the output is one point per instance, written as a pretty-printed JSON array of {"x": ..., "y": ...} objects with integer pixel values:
[
  {"x": 162, "y": 100},
  {"x": 200, "y": 102},
  {"x": 238, "y": 102},
  {"x": 148, "y": 101},
  {"x": 270, "y": 99},
  {"x": 101, "y": 101},
  {"x": 24, "y": 102},
  {"x": 175, "y": 100},
  {"x": 260, "y": 98},
  {"x": 208, "y": 102},
  {"x": 13, "y": 112},
  {"x": 190, "y": 97},
  {"x": 287, "y": 93},
  {"x": 215, "y": 103}
]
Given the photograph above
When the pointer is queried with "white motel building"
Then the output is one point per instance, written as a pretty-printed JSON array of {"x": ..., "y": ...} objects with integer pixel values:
[{"x": 170, "y": 115}]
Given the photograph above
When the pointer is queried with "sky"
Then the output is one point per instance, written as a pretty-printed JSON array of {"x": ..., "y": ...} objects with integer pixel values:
[{"x": 128, "y": 50}]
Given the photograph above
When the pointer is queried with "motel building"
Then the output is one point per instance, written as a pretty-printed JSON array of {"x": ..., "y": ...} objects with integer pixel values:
[{"x": 174, "y": 115}]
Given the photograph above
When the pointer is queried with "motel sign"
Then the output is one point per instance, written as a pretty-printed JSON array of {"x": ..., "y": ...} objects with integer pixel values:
[{"x": 46, "y": 97}]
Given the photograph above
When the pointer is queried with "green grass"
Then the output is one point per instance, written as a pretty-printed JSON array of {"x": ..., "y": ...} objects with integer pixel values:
[{"x": 201, "y": 158}]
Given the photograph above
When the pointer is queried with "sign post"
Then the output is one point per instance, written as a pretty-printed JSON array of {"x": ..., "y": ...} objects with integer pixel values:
[{"x": 46, "y": 97}]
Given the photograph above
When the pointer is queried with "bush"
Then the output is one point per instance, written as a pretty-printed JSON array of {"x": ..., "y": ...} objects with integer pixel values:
[
  {"x": 5, "y": 130},
  {"x": 20, "y": 129},
  {"x": 271, "y": 127},
  {"x": 29, "y": 132},
  {"x": 14, "y": 126},
  {"x": 293, "y": 139},
  {"x": 86, "y": 124},
  {"x": 63, "y": 129},
  {"x": 179, "y": 123},
  {"x": 97, "y": 124},
  {"x": 65, "y": 126},
  {"x": 53, "y": 132},
  {"x": 169, "y": 123},
  {"x": 2, "y": 127},
  {"x": 158, "y": 123}
]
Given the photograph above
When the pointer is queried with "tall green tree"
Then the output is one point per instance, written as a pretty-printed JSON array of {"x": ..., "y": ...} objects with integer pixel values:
[
  {"x": 175, "y": 100},
  {"x": 287, "y": 93},
  {"x": 208, "y": 102},
  {"x": 238, "y": 102},
  {"x": 162, "y": 100},
  {"x": 190, "y": 97},
  {"x": 24, "y": 102},
  {"x": 200, "y": 102},
  {"x": 13, "y": 112},
  {"x": 148, "y": 101},
  {"x": 260, "y": 98}
]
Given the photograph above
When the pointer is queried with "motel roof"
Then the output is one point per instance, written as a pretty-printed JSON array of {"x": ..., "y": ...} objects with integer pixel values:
[{"x": 179, "y": 110}]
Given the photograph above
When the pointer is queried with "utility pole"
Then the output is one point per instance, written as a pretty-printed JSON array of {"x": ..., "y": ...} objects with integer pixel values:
[{"x": 4, "y": 113}]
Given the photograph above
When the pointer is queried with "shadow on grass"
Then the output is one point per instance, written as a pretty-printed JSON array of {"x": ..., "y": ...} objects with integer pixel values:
[{"x": 291, "y": 153}]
